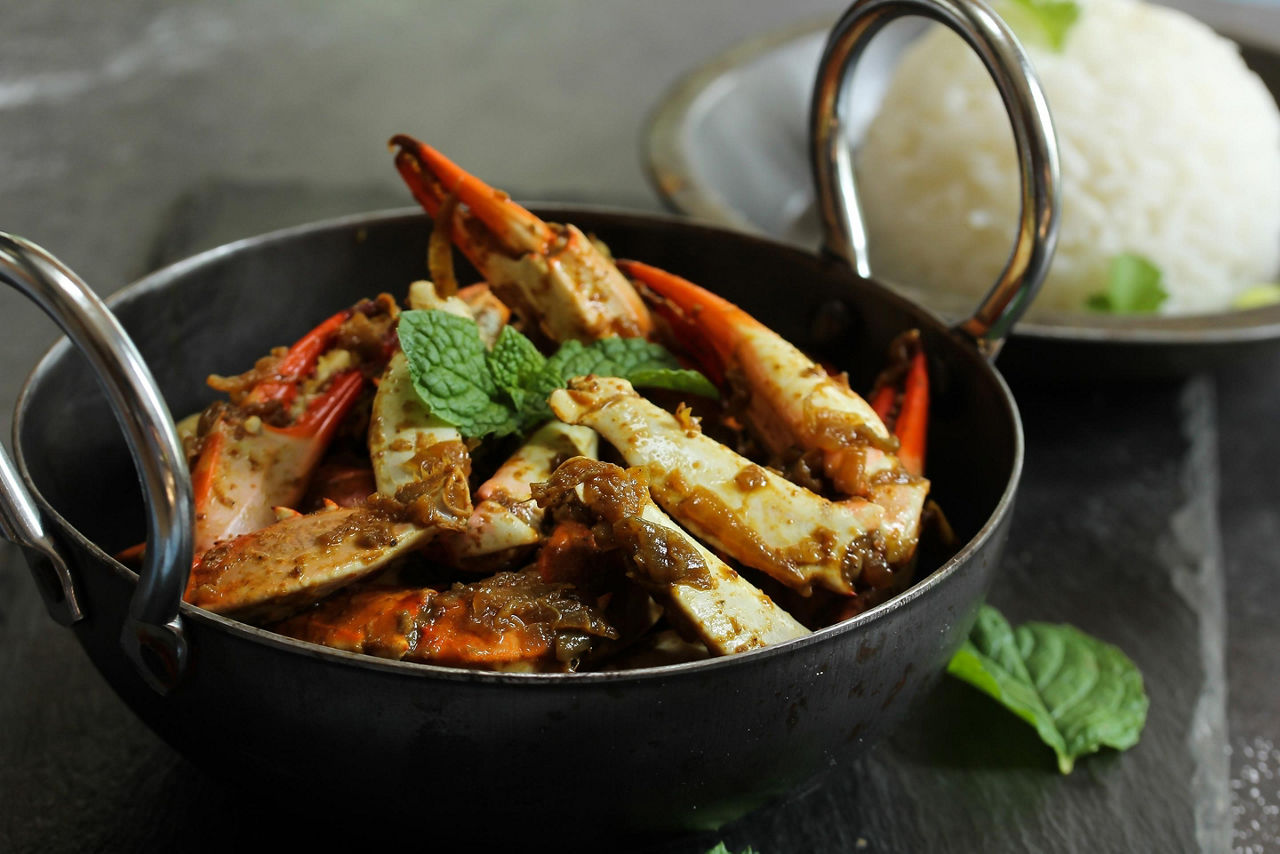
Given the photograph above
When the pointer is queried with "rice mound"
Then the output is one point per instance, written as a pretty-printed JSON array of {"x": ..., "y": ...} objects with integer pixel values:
[{"x": 1169, "y": 145}]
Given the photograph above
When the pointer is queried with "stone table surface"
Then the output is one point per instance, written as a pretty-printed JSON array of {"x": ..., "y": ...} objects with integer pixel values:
[{"x": 136, "y": 132}]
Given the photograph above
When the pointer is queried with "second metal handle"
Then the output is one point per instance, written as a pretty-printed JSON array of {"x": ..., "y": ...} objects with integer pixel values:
[{"x": 832, "y": 160}]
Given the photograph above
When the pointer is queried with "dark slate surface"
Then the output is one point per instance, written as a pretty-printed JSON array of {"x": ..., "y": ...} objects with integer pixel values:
[
  {"x": 1116, "y": 531},
  {"x": 1250, "y": 509}
]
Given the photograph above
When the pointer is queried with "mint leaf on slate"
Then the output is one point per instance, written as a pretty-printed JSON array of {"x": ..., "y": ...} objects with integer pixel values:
[{"x": 1080, "y": 693}]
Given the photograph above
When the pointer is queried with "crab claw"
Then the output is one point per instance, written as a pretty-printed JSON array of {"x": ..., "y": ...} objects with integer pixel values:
[
  {"x": 553, "y": 275},
  {"x": 257, "y": 451},
  {"x": 793, "y": 402},
  {"x": 247, "y": 467}
]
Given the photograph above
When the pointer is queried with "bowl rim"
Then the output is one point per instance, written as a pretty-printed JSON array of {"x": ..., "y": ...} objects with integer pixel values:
[
  {"x": 164, "y": 276},
  {"x": 671, "y": 175}
]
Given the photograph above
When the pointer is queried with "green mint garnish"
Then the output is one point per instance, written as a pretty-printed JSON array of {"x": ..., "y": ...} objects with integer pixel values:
[
  {"x": 1133, "y": 287},
  {"x": 1046, "y": 20},
  {"x": 641, "y": 362},
  {"x": 504, "y": 390},
  {"x": 1257, "y": 296},
  {"x": 522, "y": 373},
  {"x": 1079, "y": 693},
  {"x": 443, "y": 351}
]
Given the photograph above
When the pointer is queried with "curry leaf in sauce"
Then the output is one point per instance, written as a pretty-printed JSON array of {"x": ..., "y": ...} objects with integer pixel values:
[{"x": 1080, "y": 693}]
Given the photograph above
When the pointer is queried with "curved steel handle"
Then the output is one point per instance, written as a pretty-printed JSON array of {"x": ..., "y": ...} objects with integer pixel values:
[
  {"x": 152, "y": 636},
  {"x": 832, "y": 160}
]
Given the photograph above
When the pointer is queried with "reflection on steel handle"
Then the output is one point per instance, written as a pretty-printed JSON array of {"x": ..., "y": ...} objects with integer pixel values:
[
  {"x": 21, "y": 524},
  {"x": 152, "y": 636},
  {"x": 1033, "y": 134}
]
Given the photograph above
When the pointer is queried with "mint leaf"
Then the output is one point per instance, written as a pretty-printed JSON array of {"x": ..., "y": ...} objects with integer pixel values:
[
  {"x": 691, "y": 382},
  {"x": 721, "y": 848},
  {"x": 521, "y": 372},
  {"x": 448, "y": 363},
  {"x": 505, "y": 390},
  {"x": 641, "y": 362},
  {"x": 610, "y": 357},
  {"x": 1133, "y": 287},
  {"x": 1051, "y": 20},
  {"x": 1079, "y": 693}
]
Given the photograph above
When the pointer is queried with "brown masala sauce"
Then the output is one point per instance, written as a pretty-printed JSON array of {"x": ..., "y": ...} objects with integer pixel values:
[{"x": 618, "y": 497}]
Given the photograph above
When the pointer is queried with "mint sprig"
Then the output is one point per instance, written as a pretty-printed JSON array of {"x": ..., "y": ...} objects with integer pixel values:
[
  {"x": 504, "y": 390},
  {"x": 1133, "y": 287},
  {"x": 1080, "y": 693}
]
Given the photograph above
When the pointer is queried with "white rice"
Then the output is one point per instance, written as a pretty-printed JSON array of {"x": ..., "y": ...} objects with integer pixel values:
[{"x": 1170, "y": 148}]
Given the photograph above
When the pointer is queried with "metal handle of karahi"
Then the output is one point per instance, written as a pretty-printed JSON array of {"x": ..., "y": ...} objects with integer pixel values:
[
  {"x": 152, "y": 636},
  {"x": 1037, "y": 151}
]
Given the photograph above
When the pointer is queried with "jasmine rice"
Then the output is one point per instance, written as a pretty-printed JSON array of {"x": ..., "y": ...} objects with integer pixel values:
[{"x": 1170, "y": 151}]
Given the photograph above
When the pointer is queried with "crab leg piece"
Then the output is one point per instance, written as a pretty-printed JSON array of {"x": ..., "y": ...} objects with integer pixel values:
[
  {"x": 420, "y": 468},
  {"x": 404, "y": 437},
  {"x": 794, "y": 402},
  {"x": 700, "y": 591},
  {"x": 506, "y": 519},
  {"x": 246, "y": 470},
  {"x": 553, "y": 275},
  {"x": 402, "y": 431},
  {"x": 748, "y": 512},
  {"x": 489, "y": 312},
  {"x": 245, "y": 466},
  {"x": 274, "y": 572},
  {"x": 548, "y": 628}
]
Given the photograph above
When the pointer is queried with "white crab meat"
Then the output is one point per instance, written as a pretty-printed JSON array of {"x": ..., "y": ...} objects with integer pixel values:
[{"x": 746, "y": 511}]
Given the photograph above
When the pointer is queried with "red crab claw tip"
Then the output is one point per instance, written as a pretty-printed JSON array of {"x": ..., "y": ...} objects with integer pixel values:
[
  {"x": 431, "y": 177},
  {"x": 913, "y": 421},
  {"x": 708, "y": 325},
  {"x": 298, "y": 362},
  {"x": 327, "y": 411}
]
